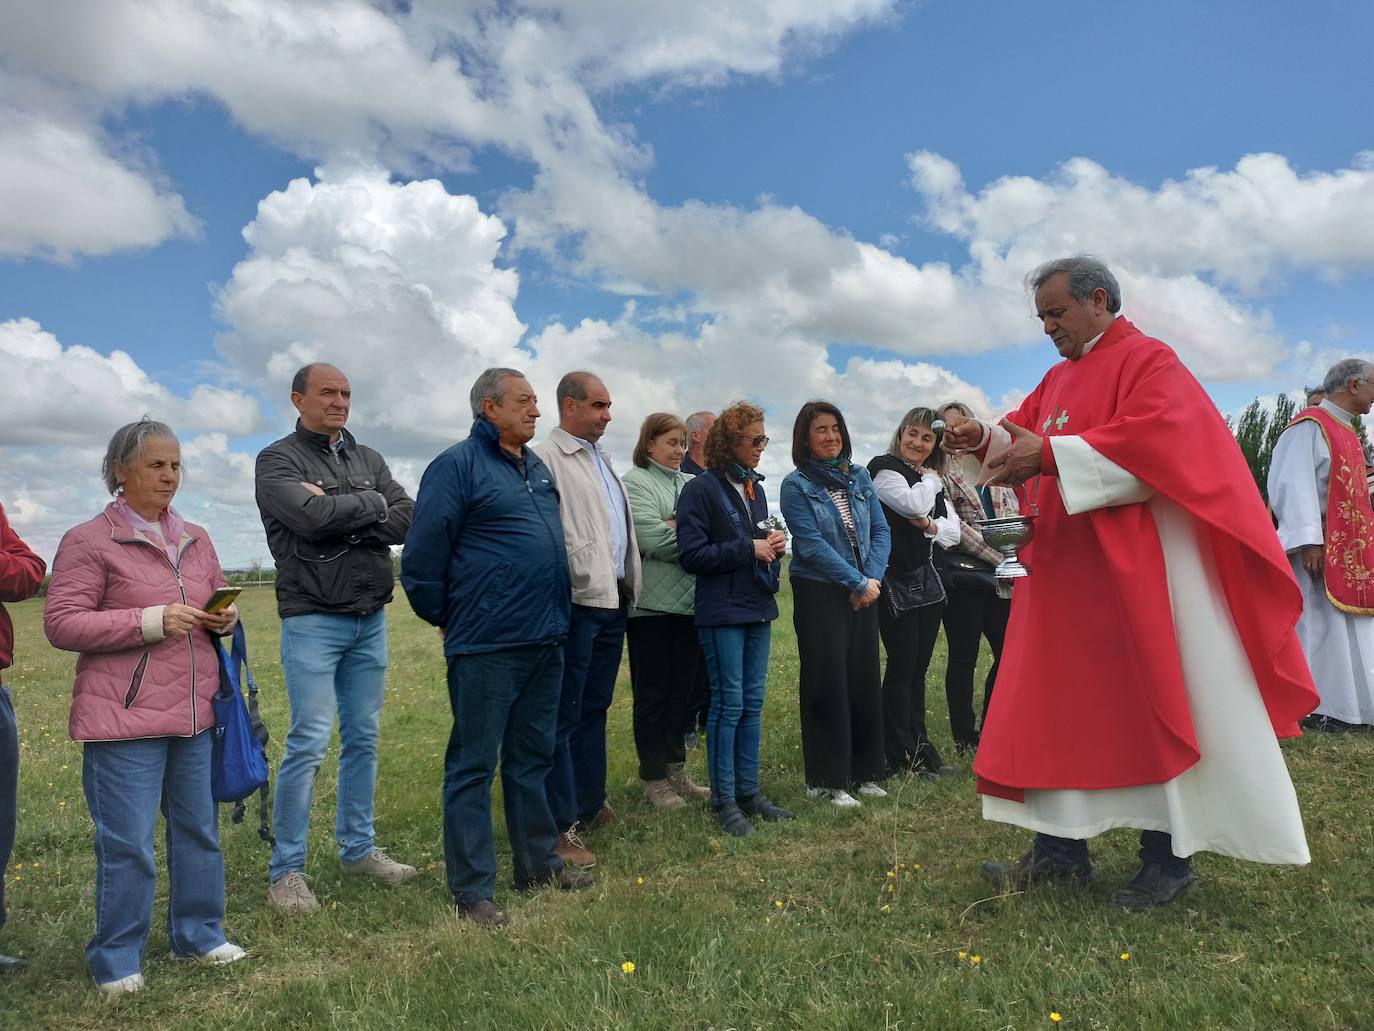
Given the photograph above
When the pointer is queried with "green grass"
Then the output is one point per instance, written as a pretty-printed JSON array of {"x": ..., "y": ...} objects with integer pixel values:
[{"x": 794, "y": 927}]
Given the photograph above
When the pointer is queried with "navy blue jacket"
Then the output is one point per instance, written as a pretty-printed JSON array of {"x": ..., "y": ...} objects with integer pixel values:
[
  {"x": 709, "y": 545},
  {"x": 485, "y": 558}
]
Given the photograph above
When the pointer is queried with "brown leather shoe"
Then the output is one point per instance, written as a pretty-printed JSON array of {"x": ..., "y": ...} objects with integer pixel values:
[
  {"x": 565, "y": 879},
  {"x": 605, "y": 817},
  {"x": 484, "y": 913},
  {"x": 571, "y": 850},
  {"x": 682, "y": 783}
]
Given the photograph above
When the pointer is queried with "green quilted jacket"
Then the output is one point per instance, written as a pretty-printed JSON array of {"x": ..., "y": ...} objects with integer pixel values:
[{"x": 652, "y": 493}]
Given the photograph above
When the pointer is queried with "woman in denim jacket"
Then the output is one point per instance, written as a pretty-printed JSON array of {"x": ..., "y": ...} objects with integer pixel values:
[{"x": 840, "y": 546}]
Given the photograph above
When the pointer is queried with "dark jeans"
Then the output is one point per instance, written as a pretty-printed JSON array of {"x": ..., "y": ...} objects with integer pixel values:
[
  {"x": 1155, "y": 847},
  {"x": 505, "y": 706},
  {"x": 910, "y": 641},
  {"x": 9, "y": 787},
  {"x": 663, "y": 665},
  {"x": 840, "y": 686},
  {"x": 968, "y": 616},
  {"x": 591, "y": 659}
]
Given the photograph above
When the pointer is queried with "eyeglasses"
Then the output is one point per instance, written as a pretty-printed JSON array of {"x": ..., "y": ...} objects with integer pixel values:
[{"x": 760, "y": 441}]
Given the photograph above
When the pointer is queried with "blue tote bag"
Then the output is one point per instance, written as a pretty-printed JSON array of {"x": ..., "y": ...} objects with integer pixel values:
[{"x": 239, "y": 761}]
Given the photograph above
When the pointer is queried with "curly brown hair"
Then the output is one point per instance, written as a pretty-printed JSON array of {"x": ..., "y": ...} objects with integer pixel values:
[{"x": 727, "y": 433}]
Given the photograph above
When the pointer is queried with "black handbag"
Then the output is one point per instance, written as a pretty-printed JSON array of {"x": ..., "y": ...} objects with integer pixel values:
[
  {"x": 964, "y": 572},
  {"x": 903, "y": 592}
]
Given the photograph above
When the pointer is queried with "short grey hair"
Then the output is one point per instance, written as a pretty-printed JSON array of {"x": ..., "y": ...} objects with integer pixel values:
[
  {"x": 574, "y": 385},
  {"x": 1086, "y": 274},
  {"x": 491, "y": 384},
  {"x": 1343, "y": 372},
  {"x": 696, "y": 422},
  {"x": 127, "y": 444}
]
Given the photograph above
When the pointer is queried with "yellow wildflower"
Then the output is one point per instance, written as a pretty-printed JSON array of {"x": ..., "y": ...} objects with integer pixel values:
[
  {"x": 1125, "y": 956},
  {"x": 963, "y": 955},
  {"x": 975, "y": 959},
  {"x": 777, "y": 903},
  {"x": 886, "y": 909},
  {"x": 1056, "y": 1017},
  {"x": 639, "y": 881},
  {"x": 627, "y": 967}
]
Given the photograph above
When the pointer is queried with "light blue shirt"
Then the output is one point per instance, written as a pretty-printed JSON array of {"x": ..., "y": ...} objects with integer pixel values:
[{"x": 615, "y": 507}]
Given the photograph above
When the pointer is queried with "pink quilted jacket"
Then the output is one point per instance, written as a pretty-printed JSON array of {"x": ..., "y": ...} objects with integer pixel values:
[{"x": 109, "y": 587}]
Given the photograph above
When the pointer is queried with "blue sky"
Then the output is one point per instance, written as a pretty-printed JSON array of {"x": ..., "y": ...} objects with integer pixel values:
[{"x": 763, "y": 199}]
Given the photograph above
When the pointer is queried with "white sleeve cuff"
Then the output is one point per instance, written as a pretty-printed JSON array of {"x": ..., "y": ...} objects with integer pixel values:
[
  {"x": 152, "y": 624},
  {"x": 1088, "y": 480}
]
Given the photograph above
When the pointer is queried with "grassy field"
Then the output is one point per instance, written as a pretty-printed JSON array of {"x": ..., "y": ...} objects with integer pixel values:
[{"x": 871, "y": 919}]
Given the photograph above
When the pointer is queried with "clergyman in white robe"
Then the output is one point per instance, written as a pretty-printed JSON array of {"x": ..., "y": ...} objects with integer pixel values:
[{"x": 1339, "y": 645}]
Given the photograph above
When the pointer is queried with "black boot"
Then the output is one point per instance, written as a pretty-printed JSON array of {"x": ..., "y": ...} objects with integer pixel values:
[
  {"x": 732, "y": 821},
  {"x": 928, "y": 763},
  {"x": 758, "y": 805},
  {"x": 1155, "y": 885},
  {"x": 1039, "y": 867}
]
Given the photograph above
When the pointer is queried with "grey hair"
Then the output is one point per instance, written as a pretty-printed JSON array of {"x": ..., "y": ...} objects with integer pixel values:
[
  {"x": 491, "y": 384},
  {"x": 300, "y": 382},
  {"x": 696, "y": 422},
  {"x": 920, "y": 416},
  {"x": 1086, "y": 274},
  {"x": 958, "y": 406},
  {"x": 1343, "y": 372},
  {"x": 573, "y": 385},
  {"x": 127, "y": 444}
]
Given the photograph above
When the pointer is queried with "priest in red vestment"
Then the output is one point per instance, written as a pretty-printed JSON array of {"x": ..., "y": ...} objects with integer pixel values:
[{"x": 1151, "y": 661}]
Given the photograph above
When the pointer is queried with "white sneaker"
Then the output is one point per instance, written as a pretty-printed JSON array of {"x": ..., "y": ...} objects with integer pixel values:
[
  {"x": 839, "y": 798},
  {"x": 125, "y": 985},
  {"x": 219, "y": 956},
  {"x": 872, "y": 790}
]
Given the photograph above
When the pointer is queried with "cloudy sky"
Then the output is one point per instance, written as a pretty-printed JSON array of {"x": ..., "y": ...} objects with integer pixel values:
[{"x": 772, "y": 199}]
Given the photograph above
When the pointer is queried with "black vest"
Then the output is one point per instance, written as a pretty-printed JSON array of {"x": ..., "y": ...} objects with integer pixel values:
[{"x": 910, "y": 546}]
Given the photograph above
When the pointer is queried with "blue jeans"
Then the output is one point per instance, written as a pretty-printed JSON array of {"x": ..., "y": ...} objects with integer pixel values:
[
  {"x": 331, "y": 661},
  {"x": 591, "y": 660},
  {"x": 124, "y": 781},
  {"x": 505, "y": 706},
  {"x": 9, "y": 787},
  {"x": 737, "y": 663}
]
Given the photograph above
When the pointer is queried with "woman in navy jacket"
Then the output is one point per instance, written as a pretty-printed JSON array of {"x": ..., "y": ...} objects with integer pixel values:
[
  {"x": 840, "y": 547},
  {"x": 723, "y": 538}
]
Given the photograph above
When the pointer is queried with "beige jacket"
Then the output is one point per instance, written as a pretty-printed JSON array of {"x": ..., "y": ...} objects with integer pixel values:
[{"x": 586, "y": 526}]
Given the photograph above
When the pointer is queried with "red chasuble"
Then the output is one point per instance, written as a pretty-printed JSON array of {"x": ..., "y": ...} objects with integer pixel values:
[
  {"x": 1090, "y": 692},
  {"x": 1349, "y": 569}
]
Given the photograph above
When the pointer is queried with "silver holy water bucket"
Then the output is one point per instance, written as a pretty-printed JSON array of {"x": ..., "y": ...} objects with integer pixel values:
[{"x": 1007, "y": 535}]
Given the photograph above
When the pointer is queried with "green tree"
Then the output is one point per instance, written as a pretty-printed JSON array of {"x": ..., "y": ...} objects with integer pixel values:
[{"x": 1257, "y": 431}]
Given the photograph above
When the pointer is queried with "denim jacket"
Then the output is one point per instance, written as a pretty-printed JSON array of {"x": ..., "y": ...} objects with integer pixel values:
[{"x": 821, "y": 549}]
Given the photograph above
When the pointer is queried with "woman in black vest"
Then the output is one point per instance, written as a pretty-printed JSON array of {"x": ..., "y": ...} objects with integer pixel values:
[{"x": 908, "y": 482}]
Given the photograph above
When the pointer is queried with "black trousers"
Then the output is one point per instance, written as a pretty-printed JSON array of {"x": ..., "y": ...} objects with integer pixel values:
[
  {"x": 968, "y": 616},
  {"x": 841, "y": 686},
  {"x": 699, "y": 699},
  {"x": 663, "y": 664},
  {"x": 910, "y": 641}
]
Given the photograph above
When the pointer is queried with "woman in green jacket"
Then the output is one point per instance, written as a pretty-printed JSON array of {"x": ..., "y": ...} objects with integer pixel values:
[{"x": 662, "y": 634}]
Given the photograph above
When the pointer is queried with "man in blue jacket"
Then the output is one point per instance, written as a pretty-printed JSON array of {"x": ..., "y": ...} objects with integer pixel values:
[{"x": 485, "y": 561}]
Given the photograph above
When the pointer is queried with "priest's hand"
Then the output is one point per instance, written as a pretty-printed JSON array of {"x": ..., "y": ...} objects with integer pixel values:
[
  {"x": 1019, "y": 462},
  {"x": 1313, "y": 559},
  {"x": 961, "y": 433}
]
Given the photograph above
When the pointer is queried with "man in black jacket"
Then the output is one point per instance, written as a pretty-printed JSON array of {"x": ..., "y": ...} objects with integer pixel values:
[{"x": 331, "y": 511}]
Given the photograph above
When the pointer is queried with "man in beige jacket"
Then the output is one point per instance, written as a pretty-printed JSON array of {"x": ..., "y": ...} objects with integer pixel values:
[{"x": 603, "y": 564}]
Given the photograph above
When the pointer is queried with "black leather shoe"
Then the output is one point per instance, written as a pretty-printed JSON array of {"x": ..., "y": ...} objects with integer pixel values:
[
  {"x": 758, "y": 805},
  {"x": 566, "y": 879},
  {"x": 1154, "y": 886},
  {"x": 1034, "y": 868},
  {"x": 13, "y": 965},
  {"x": 929, "y": 763},
  {"x": 483, "y": 913},
  {"x": 733, "y": 821}
]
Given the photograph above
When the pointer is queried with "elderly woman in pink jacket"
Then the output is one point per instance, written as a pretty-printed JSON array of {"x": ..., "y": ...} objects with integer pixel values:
[{"x": 127, "y": 593}]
